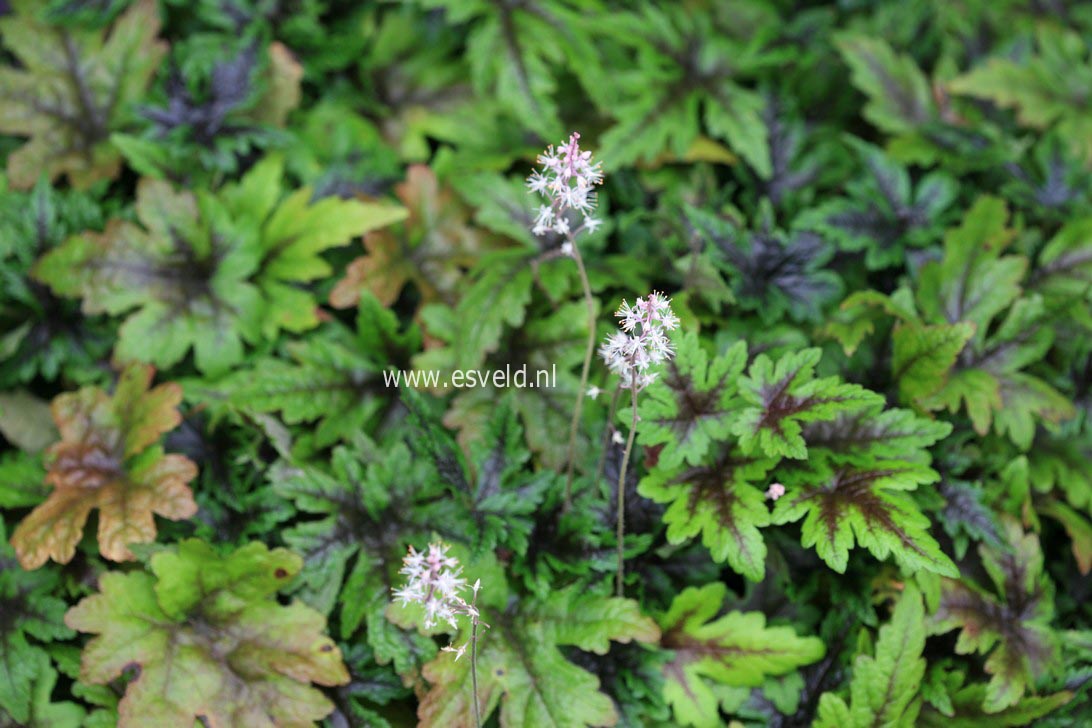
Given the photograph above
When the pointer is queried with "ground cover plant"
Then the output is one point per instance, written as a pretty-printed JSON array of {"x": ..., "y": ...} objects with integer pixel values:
[{"x": 810, "y": 285}]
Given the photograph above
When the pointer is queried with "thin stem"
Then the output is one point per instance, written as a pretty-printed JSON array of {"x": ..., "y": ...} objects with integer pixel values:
[
  {"x": 588, "y": 349},
  {"x": 621, "y": 531},
  {"x": 474, "y": 670}
]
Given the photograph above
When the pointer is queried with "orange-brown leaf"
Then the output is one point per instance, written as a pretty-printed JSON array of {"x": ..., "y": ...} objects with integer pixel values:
[{"x": 108, "y": 459}]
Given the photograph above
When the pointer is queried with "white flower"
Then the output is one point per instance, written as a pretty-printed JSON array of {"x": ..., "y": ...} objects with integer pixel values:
[
  {"x": 567, "y": 249},
  {"x": 545, "y": 220},
  {"x": 567, "y": 180},
  {"x": 459, "y": 651},
  {"x": 775, "y": 491},
  {"x": 591, "y": 224},
  {"x": 594, "y": 392},
  {"x": 643, "y": 341},
  {"x": 537, "y": 182},
  {"x": 432, "y": 579}
]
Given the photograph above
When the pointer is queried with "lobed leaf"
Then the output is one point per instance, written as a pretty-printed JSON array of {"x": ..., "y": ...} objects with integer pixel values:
[
  {"x": 73, "y": 88},
  {"x": 221, "y": 651},
  {"x": 108, "y": 459},
  {"x": 847, "y": 505},
  {"x": 885, "y": 687},
  {"x": 720, "y": 501},
  {"x": 785, "y": 396},
  {"x": 734, "y": 649},
  {"x": 521, "y": 669},
  {"x": 1014, "y": 631},
  {"x": 690, "y": 405},
  {"x": 899, "y": 97}
]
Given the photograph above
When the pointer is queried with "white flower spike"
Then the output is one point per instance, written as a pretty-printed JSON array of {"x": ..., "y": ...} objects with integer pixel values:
[
  {"x": 433, "y": 580},
  {"x": 567, "y": 180},
  {"x": 643, "y": 341}
]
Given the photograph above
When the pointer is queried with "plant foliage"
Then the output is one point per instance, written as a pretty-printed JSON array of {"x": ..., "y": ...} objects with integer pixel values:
[{"x": 279, "y": 303}]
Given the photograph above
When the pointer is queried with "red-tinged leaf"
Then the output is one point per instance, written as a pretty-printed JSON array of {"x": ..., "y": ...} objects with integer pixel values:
[
  {"x": 211, "y": 641},
  {"x": 735, "y": 649},
  {"x": 786, "y": 395},
  {"x": 1012, "y": 629},
  {"x": 847, "y": 505},
  {"x": 431, "y": 249},
  {"x": 72, "y": 90}
]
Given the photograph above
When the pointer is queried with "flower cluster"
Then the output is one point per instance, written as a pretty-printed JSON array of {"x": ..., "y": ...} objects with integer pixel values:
[
  {"x": 642, "y": 342},
  {"x": 567, "y": 180},
  {"x": 432, "y": 579}
]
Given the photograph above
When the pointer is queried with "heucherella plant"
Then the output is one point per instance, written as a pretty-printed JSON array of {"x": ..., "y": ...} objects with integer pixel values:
[
  {"x": 632, "y": 354},
  {"x": 432, "y": 580},
  {"x": 567, "y": 181}
]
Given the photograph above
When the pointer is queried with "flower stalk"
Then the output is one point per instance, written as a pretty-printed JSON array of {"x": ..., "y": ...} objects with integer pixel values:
[
  {"x": 567, "y": 181},
  {"x": 631, "y": 354},
  {"x": 432, "y": 579}
]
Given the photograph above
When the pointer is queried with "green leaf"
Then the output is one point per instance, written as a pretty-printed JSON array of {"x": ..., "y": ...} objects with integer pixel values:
[
  {"x": 294, "y": 232},
  {"x": 22, "y": 480},
  {"x": 41, "y": 337},
  {"x": 325, "y": 379},
  {"x": 522, "y": 670},
  {"x": 1064, "y": 268},
  {"x": 847, "y": 505},
  {"x": 786, "y": 395},
  {"x": 497, "y": 299},
  {"x": 883, "y": 212},
  {"x": 923, "y": 356},
  {"x": 967, "y": 711},
  {"x": 990, "y": 380},
  {"x": 194, "y": 575},
  {"x": 209, "y": 272},
  {"x": 660, "y": 99},
  {"x": 974, "y": 281},
  {"x": 183, "y": 274},
  {"x": 899, "y": 96},
  {"x": 222, "y": 651},
  {"x": 720, "y": 501},
  {"x": 736, "y": 649},
  {"x": 885, "y": 688},
  {"x": 860, "y": 438},
  {"x": 431, "y": 248},
  {"x": 978, "y": 392},
  {"x": 1046, "y": 89},
  {"x": 548, "y": 349},
  {"x": 28, "y": 609},
  {"x": 92, "y": 77},
  {"x": 1015, "y": 630},
  {"x": 689, "y": 406},
  {"x": 971, "y": 286},
  {"x": 44, "y": 713},
  {"x": 1077, "y": 527},
  {"x": 517, "y": 55},
  {"x": 365, "y": 515},
  {"x": 500, "y": 494},
  {"x": 25, "y": 421}
]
